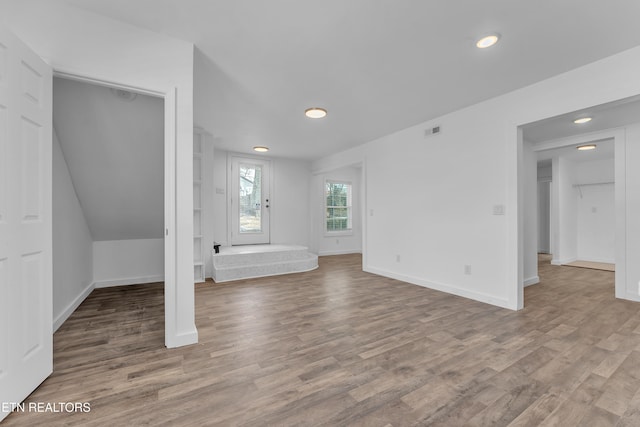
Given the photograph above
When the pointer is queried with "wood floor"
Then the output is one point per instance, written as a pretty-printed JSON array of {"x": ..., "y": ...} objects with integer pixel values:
[{"x": 339, "y": 347}]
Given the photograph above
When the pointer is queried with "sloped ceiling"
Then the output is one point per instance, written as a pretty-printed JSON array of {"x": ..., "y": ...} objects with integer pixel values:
[
  {"x": 378, "y": 66},
  {"x": 114, "y": 149}
]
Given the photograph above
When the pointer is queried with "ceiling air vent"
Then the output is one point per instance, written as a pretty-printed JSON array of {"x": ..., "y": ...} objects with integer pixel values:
[
  {"x": 124, "y": 95},
  {"x": 432, "y": 131}
]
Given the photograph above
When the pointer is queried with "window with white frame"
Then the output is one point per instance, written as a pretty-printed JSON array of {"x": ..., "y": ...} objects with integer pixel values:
[{"x": 338, "y": 209}]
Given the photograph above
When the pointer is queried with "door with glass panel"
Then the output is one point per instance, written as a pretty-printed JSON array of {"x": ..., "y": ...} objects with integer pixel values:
[{"x": 250, "y": 201}]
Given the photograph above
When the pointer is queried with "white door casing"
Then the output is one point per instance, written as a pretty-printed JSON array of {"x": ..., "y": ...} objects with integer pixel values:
[
  {"x": 26, "y": 321},
  {"x": 250, "y": 200}
]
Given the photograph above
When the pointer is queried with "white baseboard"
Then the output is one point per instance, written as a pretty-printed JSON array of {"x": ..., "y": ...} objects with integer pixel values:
[
  {"x": 129, "y": 281},
  {"x": 604, "y": 261},
  {"x": 180, "y": 340},
  {"x": 477, "y": 296},
  {"x": 60, "y": 319},
  {"x": 562, "y": 261},
  {"x": 344, "y": 252},
  {"x": 531, "y": 281}
]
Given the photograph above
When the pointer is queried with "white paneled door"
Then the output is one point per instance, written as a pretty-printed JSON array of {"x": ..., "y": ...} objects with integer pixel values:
[
  {"x": 250, "y": 201},
  {"x": 26, "y": 335}
]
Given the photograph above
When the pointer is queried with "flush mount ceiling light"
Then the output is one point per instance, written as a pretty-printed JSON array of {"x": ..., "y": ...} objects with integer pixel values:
[
  {"x": 315, "y": 112},
  {"x": 260, "y": 149},
  {"x": 586, "y": 147},
  {"x": 582, "y": 120},
  {"x": 488, "y": 41}
]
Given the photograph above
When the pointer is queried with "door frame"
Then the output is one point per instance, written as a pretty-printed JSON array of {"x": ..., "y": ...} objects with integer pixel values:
[
  {"x": 171, "y": 246},
  {"x": 619, "y": 137},
  {"x": 230, "y": 178}
]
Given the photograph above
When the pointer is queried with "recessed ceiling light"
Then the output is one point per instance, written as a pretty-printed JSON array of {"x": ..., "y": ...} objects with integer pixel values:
[
  {"x": 582, "y": 120},
  {"x": 488, "y": 41},
  {"x": 315, "y": 112},
  {"x": 586, "y": 147},
  {"x": 260, "y": 149}
]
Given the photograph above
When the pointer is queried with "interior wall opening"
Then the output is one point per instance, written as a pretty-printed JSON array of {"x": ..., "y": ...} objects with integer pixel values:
[
  {"x": 577, "y": 195},
  {"x": 108, "y": 190}
]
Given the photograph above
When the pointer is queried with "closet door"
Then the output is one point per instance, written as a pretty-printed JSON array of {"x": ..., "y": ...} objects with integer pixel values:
[{"x": 26, "y": 277}]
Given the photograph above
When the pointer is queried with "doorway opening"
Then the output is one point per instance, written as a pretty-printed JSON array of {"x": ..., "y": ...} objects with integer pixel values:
[
  {"x": 587, "y": 199},
  {"x": 110, "y": 189},
  {"x": 249, "y": 201}
]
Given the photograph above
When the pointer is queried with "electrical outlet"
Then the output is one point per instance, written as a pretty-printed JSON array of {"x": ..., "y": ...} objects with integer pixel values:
[
  {"x": 337, "y": 241},
  {"x": 467, "y": 270},
  {"x": 397, "y": 258},
  {"x": 370, "y": 212}
]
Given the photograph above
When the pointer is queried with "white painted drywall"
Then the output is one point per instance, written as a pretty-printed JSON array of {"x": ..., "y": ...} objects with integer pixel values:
[
  {"x": 128, "y": 262},
  {"x": 115, "y": 152},
  {"x": 220, "y": 197},
  {"x": 567, "y": 212},
  {"x": 596, "y": 218},
  {"x": 544, "y": 216},
  {"x": 87, "y": 44},
  {"x": 530, "y": 214},
  {"x": 289, "y": 203},
  {"x": 208, "y": 202},
  {"x": 544, "y": 179},
  {"x": 632, "y": 237},
  {"x": 328, "y": 244},
  {"x": 72, "y": 243},
  {"x": 432, "y": 197}
]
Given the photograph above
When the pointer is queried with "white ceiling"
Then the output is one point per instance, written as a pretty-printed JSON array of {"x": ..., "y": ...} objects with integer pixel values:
[
  {"x": 605, "y": 150},
  {"x": 377, "y": 66},
  {"x": 606, "y": 116},
  {"x": 114, "y": 150}
]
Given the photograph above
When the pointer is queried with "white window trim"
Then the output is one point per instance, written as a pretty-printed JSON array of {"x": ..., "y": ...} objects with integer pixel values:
[{"x": 334, "y": 233}]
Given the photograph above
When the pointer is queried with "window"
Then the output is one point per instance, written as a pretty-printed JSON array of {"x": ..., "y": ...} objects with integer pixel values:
[{"x": 338, "y": 207}]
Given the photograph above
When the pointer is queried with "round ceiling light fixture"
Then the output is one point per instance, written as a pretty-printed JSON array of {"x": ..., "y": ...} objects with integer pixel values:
[
  {"x": 582, "y": 120},
  {"x": 586, "y": 147},
  {"x": 487, "y": 41},
  {"x": 260, "y": 149},
  {"x": 315, "y": 112}
]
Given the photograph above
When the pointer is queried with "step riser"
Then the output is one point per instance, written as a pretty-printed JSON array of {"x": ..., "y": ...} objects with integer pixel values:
[
  {"x": 262, "y": 270},
  {"x": 238, "y": 262}
]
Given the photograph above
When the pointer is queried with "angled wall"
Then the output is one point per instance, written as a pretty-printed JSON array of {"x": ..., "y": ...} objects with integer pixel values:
[{"x": 72, "y": 243}]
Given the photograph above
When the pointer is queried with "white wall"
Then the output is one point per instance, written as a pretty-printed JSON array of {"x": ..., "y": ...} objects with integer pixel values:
[
  {"x": 289, "y": 213},
  {"x": 208, "y": 203},
  {"x": 72, "y": 243},
  {"x": 220, "y": 197},
  {"x": 632, "y": 237},
  {"x": 86, "y": 44},
  {"x": 544, "y": 216},
  {"x": 127, "y": 262},
  {"x": 596, "y": 218},
  {"x": 327, "y": 244},
  {"x": 544, "y": 178},
  {"x": 432, "y": 198},
  {"x": 566, "y": 210},
  {"x": 530, "y": 227}
]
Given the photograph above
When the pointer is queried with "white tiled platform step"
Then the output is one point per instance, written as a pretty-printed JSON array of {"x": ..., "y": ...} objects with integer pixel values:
[{"x": 245, "y": 262}]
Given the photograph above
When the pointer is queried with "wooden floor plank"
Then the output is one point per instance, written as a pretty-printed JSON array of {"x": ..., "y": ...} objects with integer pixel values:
[{"x": 338, "y": 346}]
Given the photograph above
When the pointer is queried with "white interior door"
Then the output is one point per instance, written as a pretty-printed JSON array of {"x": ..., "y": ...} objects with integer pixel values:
[
  {"x": 250, "y": 201},
  {"x": 26, "y": 333}
]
